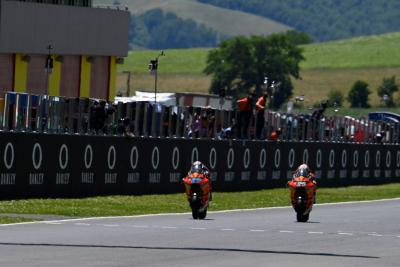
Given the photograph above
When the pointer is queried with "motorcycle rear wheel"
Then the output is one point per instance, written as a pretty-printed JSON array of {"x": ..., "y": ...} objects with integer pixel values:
[
  {"x": 301, "y": 217},
  {"x": 203, "y": 214}
]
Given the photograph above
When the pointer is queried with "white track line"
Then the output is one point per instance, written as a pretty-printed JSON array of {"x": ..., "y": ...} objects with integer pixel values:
[
  {"x": 169, "y": 227},
  {"x": 374, "y": 235},
  {"x": 186, "y": 213},
  {"x": 345, "y": 233}
]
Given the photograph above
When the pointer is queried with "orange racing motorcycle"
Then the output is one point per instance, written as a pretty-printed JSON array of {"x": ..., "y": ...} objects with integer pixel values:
[
  {"x": 198, "y": 191},
  {"x": 302, "y": 194}
]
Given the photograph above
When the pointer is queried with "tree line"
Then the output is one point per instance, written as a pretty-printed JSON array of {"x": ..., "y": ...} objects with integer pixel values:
[
  {"x": 325, "y": 19},
  {"x": 358, "y": 96},
  {"x": 156, "y": 29}
]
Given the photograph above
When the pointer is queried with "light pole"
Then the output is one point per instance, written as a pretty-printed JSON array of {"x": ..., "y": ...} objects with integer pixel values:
[
  {"x": 153, "y": 65},
  {"x": 49, "y": 67},
  {"x": 128, "y": 82}
]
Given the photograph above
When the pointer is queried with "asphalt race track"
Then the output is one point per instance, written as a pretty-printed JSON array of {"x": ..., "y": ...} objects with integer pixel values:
[{"x": 355, "y": 234}]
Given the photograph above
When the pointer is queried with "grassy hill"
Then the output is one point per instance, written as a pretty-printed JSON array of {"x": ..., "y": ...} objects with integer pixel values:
[
  {"x": 331, "y": 65},
  {"x": 225, "y": 21},
  {"x": 365, "y": 52},
  {"x": 362, "y": 52}
]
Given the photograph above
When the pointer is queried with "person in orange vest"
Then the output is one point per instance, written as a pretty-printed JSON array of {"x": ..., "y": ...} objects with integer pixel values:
[
  {"x": 245, "y": 106},
  {"x": 261, "y": 105}
]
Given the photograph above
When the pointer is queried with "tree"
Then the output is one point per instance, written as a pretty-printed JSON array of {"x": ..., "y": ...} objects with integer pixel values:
[
  {"x": 156, "y": 29},
  {"x": 241, "y": 64},
  {"x": 386, "y": 90},
  {"x": 335, "y": 96},
  {"x": 298, "y": 38},
  {"x": 358, "y": 95}
]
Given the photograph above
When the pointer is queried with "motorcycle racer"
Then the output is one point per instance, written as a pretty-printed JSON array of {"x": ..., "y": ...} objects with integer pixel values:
[
  {"x": 199, "y": 167},
  {"x": 305, "y": 171},
  {"x": 198, "y": 189}
]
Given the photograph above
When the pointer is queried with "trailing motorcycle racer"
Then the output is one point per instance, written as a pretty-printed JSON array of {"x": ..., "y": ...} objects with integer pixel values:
[{"x": 198, "y": 189}]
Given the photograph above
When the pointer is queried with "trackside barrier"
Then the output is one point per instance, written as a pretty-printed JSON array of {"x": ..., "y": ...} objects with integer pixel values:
[
  {"x": 50, "y": 114},
  {"x": 64, "y": 165}
]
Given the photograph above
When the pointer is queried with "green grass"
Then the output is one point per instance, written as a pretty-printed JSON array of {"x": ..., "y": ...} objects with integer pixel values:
[
  {"x": 316, "y": 84},
  {"x": 191, "y": 61},
  {"x": 7, "y": 219},
  {"x": 378, "y": 51},
  {"x": 332, "y": 65},
  {"x": 150, "y": 204}
]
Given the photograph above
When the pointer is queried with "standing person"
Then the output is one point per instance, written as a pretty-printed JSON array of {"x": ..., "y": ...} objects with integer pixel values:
[
  {"x": 261, "y": 105},
  {"x": 245, "y": 111},
  {"x": 316, "y": 117}
]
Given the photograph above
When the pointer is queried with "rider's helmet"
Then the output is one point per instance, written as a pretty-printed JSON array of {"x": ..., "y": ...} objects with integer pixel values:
[
  {"x": 303, "y": 170},
  {"x": 197, "y": 167}
]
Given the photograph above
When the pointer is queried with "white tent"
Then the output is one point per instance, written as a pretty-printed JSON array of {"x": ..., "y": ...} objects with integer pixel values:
[{"x": 166, "y": 99}]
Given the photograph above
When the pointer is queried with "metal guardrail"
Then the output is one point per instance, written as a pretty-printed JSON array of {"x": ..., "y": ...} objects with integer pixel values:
[{"x": 63, "y": 115}]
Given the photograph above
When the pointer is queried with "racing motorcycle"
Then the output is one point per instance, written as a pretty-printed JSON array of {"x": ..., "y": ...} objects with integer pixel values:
[
  {"x": 198, "y": 193},
  {"x": 302, "y": 193}
]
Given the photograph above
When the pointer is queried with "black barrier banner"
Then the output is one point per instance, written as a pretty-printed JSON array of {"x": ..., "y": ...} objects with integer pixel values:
[{"x": 50, "y": 165}]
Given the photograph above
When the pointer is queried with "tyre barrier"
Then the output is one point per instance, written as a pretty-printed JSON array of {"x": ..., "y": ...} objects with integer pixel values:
[{"x": 53, "y": 165}]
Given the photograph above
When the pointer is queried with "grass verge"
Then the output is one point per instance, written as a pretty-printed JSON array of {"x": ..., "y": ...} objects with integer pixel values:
[
  {"x": 7, "y": 219},
  {"x": 173, "y": 203}
]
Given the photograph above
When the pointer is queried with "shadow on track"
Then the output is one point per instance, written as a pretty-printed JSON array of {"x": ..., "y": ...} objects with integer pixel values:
[{"x": 190, "y": 248}]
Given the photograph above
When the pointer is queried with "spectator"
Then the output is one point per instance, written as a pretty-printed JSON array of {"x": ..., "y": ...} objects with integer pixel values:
[
  {"x": 316, "y": 117},
  {"x": 245, "y": 111},
  {"x": 261, "y": 105},
  {"x": 97, "y": 117},
  {"x": 211, "y": 122},
  {"x": 275, "y": 135},
  {"x": 204, "y": 123},
  {"x": 195, "y": 124},
  {"x": 125, "y": 127},
  {"x": 165, "y": 121}
]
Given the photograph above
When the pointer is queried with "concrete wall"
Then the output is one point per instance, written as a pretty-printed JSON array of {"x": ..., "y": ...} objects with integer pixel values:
[{"x": 30, "y": 27}]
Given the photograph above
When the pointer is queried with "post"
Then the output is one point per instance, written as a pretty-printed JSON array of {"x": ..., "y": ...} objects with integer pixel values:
[
  {"x": 153, "y": 66},
  {"x": 155, "y": 84},
  {"x": 49, "y": 67},
  {"x": 128, "y": 83}
]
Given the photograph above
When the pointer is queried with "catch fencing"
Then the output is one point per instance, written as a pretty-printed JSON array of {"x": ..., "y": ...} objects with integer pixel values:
[{"x": 70, "y": 165}]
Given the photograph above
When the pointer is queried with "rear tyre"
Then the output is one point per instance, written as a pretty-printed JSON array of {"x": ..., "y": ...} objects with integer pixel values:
[
  {"x": 203, "y": 214},
  {"x": 195, "y": 214},
  {"x": 302, "y": 218}
]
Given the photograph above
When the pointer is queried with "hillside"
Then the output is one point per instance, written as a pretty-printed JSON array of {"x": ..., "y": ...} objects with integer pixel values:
[
  {"x": 325, "y": 19},
  {"x": 225, "y": 21},
  {"x": 364, "y": 52},
  {"x": 331, "y": 65}
]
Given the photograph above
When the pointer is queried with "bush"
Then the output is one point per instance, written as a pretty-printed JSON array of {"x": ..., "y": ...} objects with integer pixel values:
[
  {"x": 335, "y": 98},
  {"x": 386, "y": 90},
  {"x": 358, "y": 95}
]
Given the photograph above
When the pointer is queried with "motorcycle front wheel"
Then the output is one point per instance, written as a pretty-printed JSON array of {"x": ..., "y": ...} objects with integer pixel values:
[{"x": 195, "y": 214}]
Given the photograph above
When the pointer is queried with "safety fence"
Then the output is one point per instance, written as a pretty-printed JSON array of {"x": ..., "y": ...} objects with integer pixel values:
[
  {"x": 55, "y": 165},
  {"x": 63, "y": 115}
]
